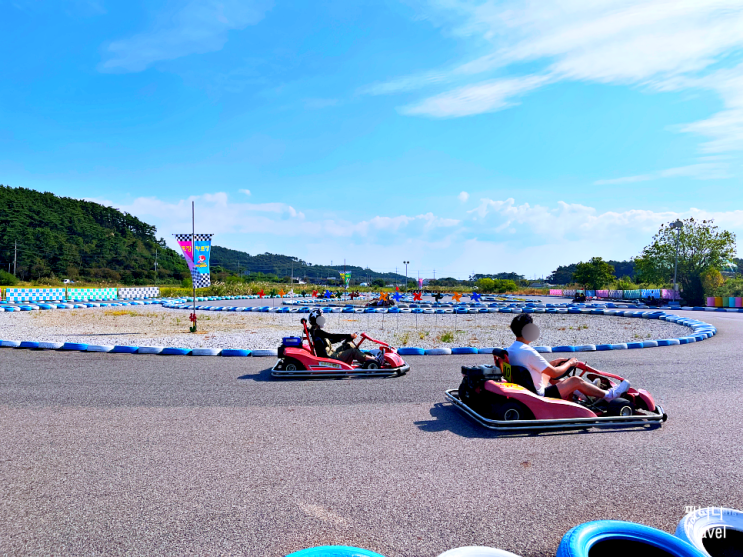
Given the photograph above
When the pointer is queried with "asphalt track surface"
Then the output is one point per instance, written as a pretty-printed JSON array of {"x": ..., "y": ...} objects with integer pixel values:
[{"x": 120, "y": 454}]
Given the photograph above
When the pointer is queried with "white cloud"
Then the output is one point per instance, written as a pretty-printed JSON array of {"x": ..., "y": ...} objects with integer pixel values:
[
  {"x": 497, "y": 235},
  {"x": 656, "y": 44},
  {"x": 463, "y": 196},
  {"x": 199, "y": 26},
  {"x": 246, "y": 192}
]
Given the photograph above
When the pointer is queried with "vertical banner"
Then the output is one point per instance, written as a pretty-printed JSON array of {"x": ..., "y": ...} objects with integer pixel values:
[
  {"x": 198, "y": 265},
  {"x": 420, "y": 283},
  {"x": 346, "y": 278}
]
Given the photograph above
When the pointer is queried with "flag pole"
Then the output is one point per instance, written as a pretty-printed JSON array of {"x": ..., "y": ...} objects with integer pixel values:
[{"x": 193, "y": 257}]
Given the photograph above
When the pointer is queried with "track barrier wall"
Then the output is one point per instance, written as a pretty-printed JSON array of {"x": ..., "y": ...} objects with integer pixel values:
[
  {"x": 34, "y": 294},
  {"x": 657, "y": 293},
  {"x": 724, "y": 301},
  {"x": 85, "y": 294},
  {"x": 142, "y": 292}
]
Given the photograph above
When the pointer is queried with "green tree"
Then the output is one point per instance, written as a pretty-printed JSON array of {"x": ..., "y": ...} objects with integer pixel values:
[
  {"x": 701, "y": 246},
  {"x": 595, "y": 274},
  {"x": 502, "y": 286},
  {"x": 379, "y": 283},
  {"x": 7, "y": 279},
  {"x": 485, "y": 284},
  {"x": 711, "y": 281}
]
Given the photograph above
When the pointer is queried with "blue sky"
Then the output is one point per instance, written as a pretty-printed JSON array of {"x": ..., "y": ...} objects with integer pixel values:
[{"x": 462, "y": 136}]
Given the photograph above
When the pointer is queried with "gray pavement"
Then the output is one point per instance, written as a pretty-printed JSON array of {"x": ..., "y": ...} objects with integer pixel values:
[{"x": 117, "y": 454}]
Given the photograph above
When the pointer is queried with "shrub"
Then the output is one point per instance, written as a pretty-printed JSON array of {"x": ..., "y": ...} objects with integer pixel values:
[{"x": 6, "y": 279}]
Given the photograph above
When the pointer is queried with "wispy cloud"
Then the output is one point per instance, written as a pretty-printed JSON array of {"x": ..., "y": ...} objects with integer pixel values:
[
  {"x": 199, "y": 26},
  {"x": 487, "y": 96},
  {"x": 699, "y": 171},
  {"x": 656, "y": 44}
]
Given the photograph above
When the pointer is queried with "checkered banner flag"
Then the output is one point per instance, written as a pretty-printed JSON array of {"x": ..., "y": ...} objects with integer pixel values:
[{"x": 198, "y": 264}]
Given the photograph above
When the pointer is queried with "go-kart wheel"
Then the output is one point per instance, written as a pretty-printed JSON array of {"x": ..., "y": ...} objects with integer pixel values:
[
  {"x": 620, "y": 407},
  {"x": 511, "y": 410},
  {"x": 371, "y": 365},
  {"x": 291, "y": 364}
]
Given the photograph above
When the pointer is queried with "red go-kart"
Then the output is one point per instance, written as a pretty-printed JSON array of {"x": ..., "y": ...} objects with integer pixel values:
[
  {"x": 502, "y": 397},
  {"x": 302, "y": 361}
]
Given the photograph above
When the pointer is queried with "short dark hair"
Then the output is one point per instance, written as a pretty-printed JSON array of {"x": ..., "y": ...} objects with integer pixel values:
[{"x": 519, "y": 322}]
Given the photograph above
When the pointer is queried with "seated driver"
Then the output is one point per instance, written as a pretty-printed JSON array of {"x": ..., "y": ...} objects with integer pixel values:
[
  {"x": 323, "y": 342},
  {"x": 541, "y": 371}
]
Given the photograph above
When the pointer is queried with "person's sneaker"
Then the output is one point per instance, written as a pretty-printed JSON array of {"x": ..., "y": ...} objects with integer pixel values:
[
  {"x": 617, "y": 391},
  {"x": 380, "y": 359}
]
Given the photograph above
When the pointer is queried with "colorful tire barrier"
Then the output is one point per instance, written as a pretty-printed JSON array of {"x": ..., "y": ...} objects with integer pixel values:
[
  {"x": 477, "y": 551},
  {"x": 713, "y": 531},
  {"x": 614, "y": 537},
  {"x": 334, "y": 551}
]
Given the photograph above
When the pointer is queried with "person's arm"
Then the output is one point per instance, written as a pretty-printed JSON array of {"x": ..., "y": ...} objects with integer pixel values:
[
  {"x": 333, "y": 338},
  {"x": 556, "y": 371}
]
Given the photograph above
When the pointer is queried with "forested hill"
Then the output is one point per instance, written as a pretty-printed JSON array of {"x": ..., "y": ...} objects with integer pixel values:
[
  {"x": 70, "y": 238},
  {"x": 284, "y": 266}
]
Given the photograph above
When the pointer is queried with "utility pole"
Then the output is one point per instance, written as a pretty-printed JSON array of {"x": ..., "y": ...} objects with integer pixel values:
[
  {"x": 155, "y": 266},
  {"x": 406, "y": 274},
  {"x": 15, "y": 257}
]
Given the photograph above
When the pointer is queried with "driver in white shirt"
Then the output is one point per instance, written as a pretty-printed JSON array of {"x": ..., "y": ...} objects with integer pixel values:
[{"x": 541, "y": 371}]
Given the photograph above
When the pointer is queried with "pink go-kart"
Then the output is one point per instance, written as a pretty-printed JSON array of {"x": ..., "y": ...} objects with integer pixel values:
[
  {"x": 502, "y": 397},
  {"x": 298, "y": 359}
]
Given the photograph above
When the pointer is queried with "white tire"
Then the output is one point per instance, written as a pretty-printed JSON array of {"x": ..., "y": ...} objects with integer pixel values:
[
  {"x": 477, "y": 551},
  {"x": 206, "y": 352},
  {"x": 99, "y": 348},
  {"x": 51, "y": 345},
  {"x": 438, "y": 351},
  {"x": 149, "y": 349},
  {"x": 711, "y": 522},
  {"x": 265, "y": 352}
]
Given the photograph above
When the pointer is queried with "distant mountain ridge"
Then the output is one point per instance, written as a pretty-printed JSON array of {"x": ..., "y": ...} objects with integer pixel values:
[{"x": 287, "y": 266}]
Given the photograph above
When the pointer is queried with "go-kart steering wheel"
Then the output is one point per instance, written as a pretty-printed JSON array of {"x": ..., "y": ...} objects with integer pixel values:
[{"x": 568, "y": 372}]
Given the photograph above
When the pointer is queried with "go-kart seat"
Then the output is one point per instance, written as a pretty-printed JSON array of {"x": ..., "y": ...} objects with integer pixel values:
[
  {"x": 513, "y": 374},
  {"x": 521, "y": 376}
]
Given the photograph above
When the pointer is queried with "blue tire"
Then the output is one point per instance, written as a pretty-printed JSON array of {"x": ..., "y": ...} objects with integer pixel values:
[
  {"x": 650, "y": 344},
  {"x": 175, "y": 351},
  {"x": 487, "y": 350},
  {"x": 29, "y": 344},
  {"x": 235, "y": 353},
  {"x": 633, "y": 345},
  {"x": 464, "y": 350},
  {"x": 563, "y": 348},
  {"x": 602, "y": 347},
  {"x": 411, "y": 351},
  {"x": 334, "y": 551},
  {"x": 668, "y": 342},
  {"x": 74, "y": 346},
  {"x": 125, "y": 349},
  {"x": 610, "y": 534}
]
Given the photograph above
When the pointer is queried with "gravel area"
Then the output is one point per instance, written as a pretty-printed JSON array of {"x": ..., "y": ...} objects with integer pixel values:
[{"x": 157, "y": 326}]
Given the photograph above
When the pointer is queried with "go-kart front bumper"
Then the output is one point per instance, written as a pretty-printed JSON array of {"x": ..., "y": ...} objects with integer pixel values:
[
  {"x": 277, "y": 371},
  {"x": 655, "y": 418}
]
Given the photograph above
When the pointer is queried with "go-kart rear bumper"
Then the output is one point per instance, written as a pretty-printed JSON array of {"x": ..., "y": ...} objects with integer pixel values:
[
  {"x": 656, "y": 418},
  {"x": 335, "y": 373}
]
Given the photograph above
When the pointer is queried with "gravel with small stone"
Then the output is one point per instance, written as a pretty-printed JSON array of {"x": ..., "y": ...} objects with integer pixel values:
[{"x": 158, "y": 326}]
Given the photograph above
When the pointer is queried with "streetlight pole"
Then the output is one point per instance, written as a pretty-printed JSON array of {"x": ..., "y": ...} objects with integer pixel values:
[
  {"x": 677, "y": 225},
  {"x": 406, "y": 274}
]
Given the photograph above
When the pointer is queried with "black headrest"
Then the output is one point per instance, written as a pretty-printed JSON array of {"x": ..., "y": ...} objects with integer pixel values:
[{"x": 500, "y": 352}]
